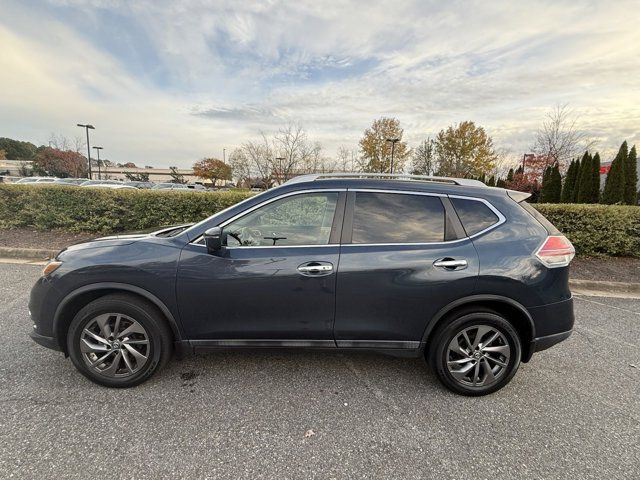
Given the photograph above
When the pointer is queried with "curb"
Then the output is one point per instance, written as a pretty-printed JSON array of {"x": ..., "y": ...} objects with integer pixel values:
[
  {"x": 596, "y": 287},
  {"x": 27, "y": 253}
]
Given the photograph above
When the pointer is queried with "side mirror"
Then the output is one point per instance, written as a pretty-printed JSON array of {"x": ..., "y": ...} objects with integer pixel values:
[{"x": 213, "y": 240}]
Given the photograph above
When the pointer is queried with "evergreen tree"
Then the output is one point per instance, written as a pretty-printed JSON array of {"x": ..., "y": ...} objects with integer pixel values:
[
  {"x": 614, "y": 186},
  {"x": 584, "y": 189},
  {"x": 492, "y": 181},
  {"x": 595, "y": 178},
  {"x": 631, "y": 178},
  {"x": 569, "y": 182},
  {"x": 510, "y": 175},
  {"x": 501, "y": 183},
  {"x": 576, "y": 183},
  {"x": 544, "y": 191},
  {"x": 555, "y": 185}
]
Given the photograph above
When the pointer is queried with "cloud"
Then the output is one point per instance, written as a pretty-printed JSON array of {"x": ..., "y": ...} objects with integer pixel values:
[{"x": 170, "y": 82}]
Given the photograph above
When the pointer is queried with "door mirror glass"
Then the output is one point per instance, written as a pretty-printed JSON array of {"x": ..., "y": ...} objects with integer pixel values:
[{"x": 213, "y": 240}]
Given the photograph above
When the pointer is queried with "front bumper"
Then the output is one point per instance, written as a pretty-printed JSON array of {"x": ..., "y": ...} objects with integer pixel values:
[{"x": 49, "y": 342}]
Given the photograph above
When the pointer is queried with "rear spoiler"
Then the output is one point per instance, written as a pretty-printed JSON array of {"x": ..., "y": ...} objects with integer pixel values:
[{"x": 518, "y": 196}]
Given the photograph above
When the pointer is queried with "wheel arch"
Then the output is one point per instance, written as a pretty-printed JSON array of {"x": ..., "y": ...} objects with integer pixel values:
[
  {"x": 513, "y": 311},
  {"x": 74, "y": 301}
]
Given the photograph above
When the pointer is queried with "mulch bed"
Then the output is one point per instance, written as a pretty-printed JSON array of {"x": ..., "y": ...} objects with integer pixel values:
[{"x": 614, "y": 269}]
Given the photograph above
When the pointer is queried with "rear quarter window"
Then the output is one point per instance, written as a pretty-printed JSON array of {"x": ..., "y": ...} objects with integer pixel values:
[{"x": 475, "y": 216}]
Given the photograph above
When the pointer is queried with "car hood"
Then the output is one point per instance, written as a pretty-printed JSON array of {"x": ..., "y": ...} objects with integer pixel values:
[{"x": 127, "y": 238}]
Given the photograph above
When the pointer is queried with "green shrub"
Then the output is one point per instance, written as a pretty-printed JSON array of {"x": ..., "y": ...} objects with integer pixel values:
[
  {"x": 597, "y": 230},
  {"x": 106, "y": 211}
]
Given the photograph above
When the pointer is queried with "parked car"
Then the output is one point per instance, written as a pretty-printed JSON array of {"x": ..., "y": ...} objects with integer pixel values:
[
  {"x": 169, "y": 186},
  {"x": 112, "y": 186},
  {"x": 37, "y": 180},
  {"x": 92, "y": 183},
  {"x": 138, "y": 184},
  {"x": 469, "y": 277}
]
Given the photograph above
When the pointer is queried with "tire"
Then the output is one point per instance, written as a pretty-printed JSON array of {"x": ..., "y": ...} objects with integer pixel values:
[
  {"x": 119, "y": 341},
  {"x": 469, "y": 370}
]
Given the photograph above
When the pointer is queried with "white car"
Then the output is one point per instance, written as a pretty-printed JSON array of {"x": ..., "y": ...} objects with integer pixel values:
[{"x": 112, "y": 186}]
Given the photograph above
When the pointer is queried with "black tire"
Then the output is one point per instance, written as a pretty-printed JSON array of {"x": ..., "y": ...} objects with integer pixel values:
[
  {"x": 438, "y": 353},
  {"x": 158, "y": 346}
]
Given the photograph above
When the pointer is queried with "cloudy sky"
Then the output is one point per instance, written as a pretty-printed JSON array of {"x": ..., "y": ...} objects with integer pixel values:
[{"x": 169, "y": 82}]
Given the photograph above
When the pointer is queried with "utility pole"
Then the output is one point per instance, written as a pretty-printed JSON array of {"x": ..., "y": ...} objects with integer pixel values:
[
  {"x": 224, "y": 155},
  {"x": 97, "y": 149},
  {"x": 87, "y": 127},
  {"x": 393, "y": 147}
]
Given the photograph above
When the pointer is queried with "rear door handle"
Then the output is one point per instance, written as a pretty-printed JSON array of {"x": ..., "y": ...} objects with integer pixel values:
[
  {"x": 315, "y": 269},
  {"x": 451, "y": 264}
]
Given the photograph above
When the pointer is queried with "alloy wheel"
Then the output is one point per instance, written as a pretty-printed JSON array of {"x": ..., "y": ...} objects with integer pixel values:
[
  {"x": 478, "y": 356},
  {"x": 115, "y": 345}
]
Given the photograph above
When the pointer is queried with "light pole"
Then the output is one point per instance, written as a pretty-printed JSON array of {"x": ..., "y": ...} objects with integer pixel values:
[
  {"x": 280, "y": 160},
  {"x": 393, "y": 147},
  {"x": 224, "y": 155},
  {"x": 87, "y": 127},
  {"x": 97, "y": 149}
]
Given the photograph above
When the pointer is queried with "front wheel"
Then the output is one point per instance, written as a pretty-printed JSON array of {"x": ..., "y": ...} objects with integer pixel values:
[
  {"x": 118, "y": 341},
  {"x": 476, "y": 353}
]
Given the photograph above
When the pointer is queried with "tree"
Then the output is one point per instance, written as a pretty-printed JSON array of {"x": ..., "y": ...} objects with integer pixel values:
[
  {"x": 492, "y": 181},
  {"x": 59, "y": 163},
  {"x": 129, "y": 165},
  {"x": 464, "y": 150},
  {"x": 375, "y": 150},
  {"x": 614, "y": 187},
  {"x": 631, "y": 178},
  {"x": 423, "y": 158},
  {"x": 510, "y": 175},
  {"x": 595, "y": 178},
  {"x": 137, "y": 177},
  {"x": 240, "y": 167},
  {"x": 558, "y": 139},
  {"x": 501, "y": 183},
  {"x": 569, "y": 180},
  {"x": 17, "y": 150},
  {"x": 3, "y": 154},
  {"x": 585, "y": 184},
  {"x": 212, "y": 169},
  {"x": 551, "y": 185},
  {"x": 176, "y": 177},
  {"x": 346, "y": 160}
]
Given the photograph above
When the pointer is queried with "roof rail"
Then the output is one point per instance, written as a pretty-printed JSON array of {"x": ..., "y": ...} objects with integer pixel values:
[{"x": 386, "y": 176}]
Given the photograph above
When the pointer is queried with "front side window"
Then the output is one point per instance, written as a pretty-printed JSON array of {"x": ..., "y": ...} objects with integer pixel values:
[
  {"x": 397, "y": 218},
  {"x": 303, "y": 219}
]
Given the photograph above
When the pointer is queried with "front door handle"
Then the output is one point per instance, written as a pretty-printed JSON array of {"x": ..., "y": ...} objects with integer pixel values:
[
  {"x": 316, "y": 269},
  {"x": 450, "y": 264}
]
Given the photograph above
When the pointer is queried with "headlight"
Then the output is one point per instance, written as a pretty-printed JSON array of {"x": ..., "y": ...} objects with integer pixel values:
[{"x": 50, "y": 267}]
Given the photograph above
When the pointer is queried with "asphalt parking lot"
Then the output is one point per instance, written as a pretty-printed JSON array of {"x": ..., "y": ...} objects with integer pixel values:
[{"x": 572, "y": 412}]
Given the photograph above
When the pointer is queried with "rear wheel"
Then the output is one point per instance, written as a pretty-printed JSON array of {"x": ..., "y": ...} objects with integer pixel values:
[
  {"x": 119, "y": 341},
  {"x": 476, "y": 353}
]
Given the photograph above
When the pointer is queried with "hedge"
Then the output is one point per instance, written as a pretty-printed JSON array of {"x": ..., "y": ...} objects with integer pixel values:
[
  {"x": 594, "y": 230},
  {"x": 597, "y": 230},
  {"x": 106, "y": 211}
]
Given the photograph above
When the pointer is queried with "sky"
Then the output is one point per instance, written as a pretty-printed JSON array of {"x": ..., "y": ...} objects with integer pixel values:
[{"x": 170, "y": 82}]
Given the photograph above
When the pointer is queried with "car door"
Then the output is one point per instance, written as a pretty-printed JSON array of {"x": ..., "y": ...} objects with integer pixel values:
[
  {"x": 404, "y": 256},
  {"x": 274, "y": 281}
]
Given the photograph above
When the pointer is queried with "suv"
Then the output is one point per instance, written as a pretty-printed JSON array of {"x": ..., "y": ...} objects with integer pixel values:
[{"x": 469, "y": 277}]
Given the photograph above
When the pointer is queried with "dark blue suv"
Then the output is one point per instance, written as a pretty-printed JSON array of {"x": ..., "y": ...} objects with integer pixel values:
[{"x": 470, "y": 277}]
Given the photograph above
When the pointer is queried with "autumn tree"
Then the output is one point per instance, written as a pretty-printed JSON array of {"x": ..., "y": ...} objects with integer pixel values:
[
  {"x": 375, "y": 147},
  {"x": 212, "y": 169},
  {"x": 59, "y": 163},
  {"x": 614, "y": 187},
  {"x": 631, "y": 178},
  {"x": 423, "y": 158},
  {"x": 464, "y": 150}
]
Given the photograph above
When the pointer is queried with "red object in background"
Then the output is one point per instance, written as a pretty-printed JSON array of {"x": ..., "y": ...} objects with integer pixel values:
[{"x": 605, "y": 169}]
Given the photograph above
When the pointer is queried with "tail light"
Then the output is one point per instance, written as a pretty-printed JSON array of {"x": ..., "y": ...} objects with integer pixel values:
[{"x": 556, "y": 251}]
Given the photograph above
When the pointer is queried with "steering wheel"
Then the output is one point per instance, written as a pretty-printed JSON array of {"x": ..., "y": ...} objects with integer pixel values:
[{"x": 235, "y": 236}]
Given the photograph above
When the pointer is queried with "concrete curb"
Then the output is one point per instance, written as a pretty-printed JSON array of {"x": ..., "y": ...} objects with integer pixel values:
[
  {"x": 27, "y": 253},
  {"x": 604, "y": 289}
]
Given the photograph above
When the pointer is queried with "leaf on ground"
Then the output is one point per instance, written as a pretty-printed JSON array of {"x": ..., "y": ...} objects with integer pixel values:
[{"x": 309, "y": 433}]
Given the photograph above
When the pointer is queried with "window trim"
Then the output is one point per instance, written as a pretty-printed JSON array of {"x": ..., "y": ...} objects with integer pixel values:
[
  {"x": 199, "y": 241},
  {"x": 347, "y": 226}
]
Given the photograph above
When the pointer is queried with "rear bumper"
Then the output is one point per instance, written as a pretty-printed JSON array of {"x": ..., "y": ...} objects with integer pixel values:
[
  {"x": 542, "y": 343},
  {"x": 48, "y": 342}
]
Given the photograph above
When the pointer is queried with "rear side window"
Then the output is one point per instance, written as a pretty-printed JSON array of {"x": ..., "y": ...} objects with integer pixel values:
[
  {"x": 397, "y": 218},
  {"x": 475, "y": 216}
]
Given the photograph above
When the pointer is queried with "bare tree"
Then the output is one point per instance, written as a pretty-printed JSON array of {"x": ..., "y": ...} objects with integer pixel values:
[
  {"x": 260, "y": 157},
  {"x": 423, "y": 158},
  {"x": 558, "y": 139},
  {"x": 240, "y": 166}
]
